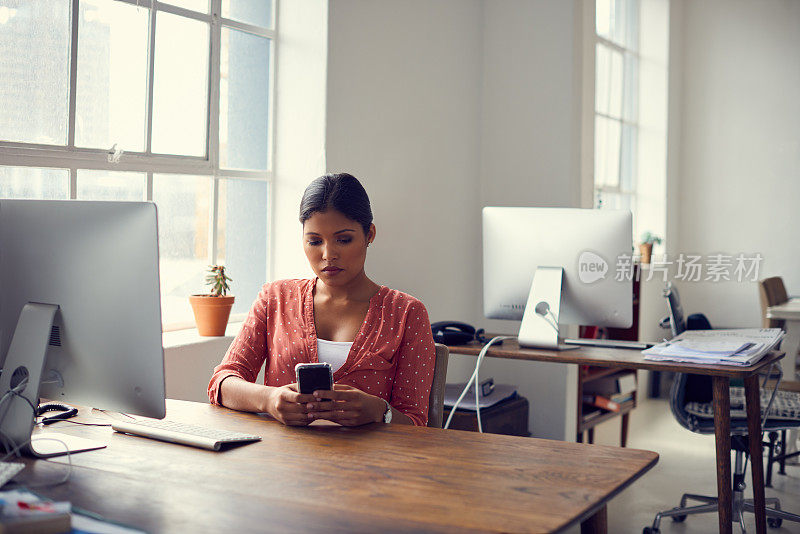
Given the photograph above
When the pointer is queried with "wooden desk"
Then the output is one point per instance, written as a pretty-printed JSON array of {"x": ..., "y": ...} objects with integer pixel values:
[
  {"x": 634, "y": 359},
  {"x": 375, "y": 478}
]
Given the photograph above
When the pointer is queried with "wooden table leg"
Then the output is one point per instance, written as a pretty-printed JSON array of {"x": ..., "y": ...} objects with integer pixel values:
[
  {"x": 753, "y": 399},
  {"x": 623, "y": 433},
  {"x": 596, "y": 524},
  {"x": 722, "y": 433}
]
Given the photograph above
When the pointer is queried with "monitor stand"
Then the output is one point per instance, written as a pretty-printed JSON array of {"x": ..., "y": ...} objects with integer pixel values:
[
  {"x": 539, "y": 328},
  {"x": 22, "y": 371}
]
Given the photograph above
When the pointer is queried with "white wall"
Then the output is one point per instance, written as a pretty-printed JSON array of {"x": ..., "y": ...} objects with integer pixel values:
[
  {"x": 441, "y": 108},
  {"x": 530, "y": 140},
  {"x": 403, "y": 116},
  {"x": 740, "y": 146}
]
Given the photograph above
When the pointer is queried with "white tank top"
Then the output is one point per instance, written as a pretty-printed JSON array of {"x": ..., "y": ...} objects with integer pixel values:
[{"x": 333, "y": 352}]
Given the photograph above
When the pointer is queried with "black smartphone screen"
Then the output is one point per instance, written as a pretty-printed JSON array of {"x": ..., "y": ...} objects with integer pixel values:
[{"x": 313, "y": 376}]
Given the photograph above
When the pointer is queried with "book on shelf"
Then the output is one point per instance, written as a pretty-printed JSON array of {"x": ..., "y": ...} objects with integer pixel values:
[
  {"x": 590, "y": 413},
  {"x": 601, "y": 402},
  {"x": 621, "y": 398}
]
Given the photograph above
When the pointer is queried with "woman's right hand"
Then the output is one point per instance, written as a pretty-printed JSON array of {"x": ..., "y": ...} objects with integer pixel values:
[{"x": 289, "y": 406}]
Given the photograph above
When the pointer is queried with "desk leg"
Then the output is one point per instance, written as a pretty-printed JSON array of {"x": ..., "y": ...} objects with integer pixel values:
[
  {"x": 597, "y": 524},
  {"x": 722, "y": 432},
  {"x": 756, "y": 460}
]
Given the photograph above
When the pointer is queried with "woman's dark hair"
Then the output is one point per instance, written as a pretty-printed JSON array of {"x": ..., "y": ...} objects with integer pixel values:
[{"x": 342, "y": 192}]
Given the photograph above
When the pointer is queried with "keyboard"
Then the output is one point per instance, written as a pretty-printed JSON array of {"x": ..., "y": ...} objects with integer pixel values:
[
  {"x": 9, "y": 470},
  {"x": 182, "y": 433},
  {"x": 612, "y": 343}
]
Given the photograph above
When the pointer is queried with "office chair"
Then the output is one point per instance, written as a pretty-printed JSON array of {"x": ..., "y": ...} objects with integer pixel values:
[
  {"x": 771, "y": 292},
  {"x": 436, "y": 400},
  {"x": 690, "y": 402}
]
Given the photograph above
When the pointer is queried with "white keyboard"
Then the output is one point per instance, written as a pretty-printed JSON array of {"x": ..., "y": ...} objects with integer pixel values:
[
  {"x": 9, "y": 470},
  {"x": 182, "y": 433},
  {"x": 613, "y": 343}
]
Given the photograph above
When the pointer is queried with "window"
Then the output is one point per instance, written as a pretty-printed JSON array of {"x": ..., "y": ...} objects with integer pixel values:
[
  {"x": 615, "y": 103},
  {"x": 169, "y": 101},
  {"x": 630, "y": 49}
]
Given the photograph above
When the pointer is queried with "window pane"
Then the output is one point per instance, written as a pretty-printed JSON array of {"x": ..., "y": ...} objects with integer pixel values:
[
  {"x": 255, "y": 12},
  {"x": 608, "y": 81},
  {"x": 112, "y": 75},
  {"x": 244, "y": 101},
  {"x": 194, "y": 5},
  {"x": 604, "y": 18},
  {"x": 618, "y": 21},
  {"x": 111, "y": 185},
  {"x": 183, "y": 218},
  {"x": 606, "y": 151},
  {"x": 180, "y": 97},
  {"x": 631, "y": 90},
  {"x": 34, "y": 70},
  {"x": 29, "y": 182},
  {"x": 242, "y": 237},
  {"x": 630, "y": 38},
  {"x": 628, "y": 159}
]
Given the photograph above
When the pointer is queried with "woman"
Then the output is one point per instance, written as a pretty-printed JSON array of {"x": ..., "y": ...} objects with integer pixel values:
[{"x": 377, "y": 340}]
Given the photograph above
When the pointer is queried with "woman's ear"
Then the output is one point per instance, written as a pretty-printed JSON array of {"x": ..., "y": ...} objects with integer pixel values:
[{"x": 371, "y": 234}]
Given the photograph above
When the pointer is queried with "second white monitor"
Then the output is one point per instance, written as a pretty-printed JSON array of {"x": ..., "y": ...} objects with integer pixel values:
[{"x": 590, "y": 245}]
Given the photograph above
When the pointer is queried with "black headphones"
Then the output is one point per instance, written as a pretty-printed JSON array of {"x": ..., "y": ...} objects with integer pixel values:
[{"x": 67, "y": 412}]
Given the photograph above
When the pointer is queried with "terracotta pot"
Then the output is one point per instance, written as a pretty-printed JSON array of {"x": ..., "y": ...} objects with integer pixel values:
[
  {"x": 211, "y": 313},
  {"x": 645, "y": 250}
]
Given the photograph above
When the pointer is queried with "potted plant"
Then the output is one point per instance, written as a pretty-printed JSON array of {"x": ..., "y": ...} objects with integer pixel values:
[
  {"x": 211, "y": 311},
  {"x": 646, "y": 246}
]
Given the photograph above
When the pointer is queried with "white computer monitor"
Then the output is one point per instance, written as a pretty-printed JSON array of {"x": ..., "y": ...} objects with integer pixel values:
[
  {"x": 80, "y": 309},
  {"x": 556, "y": 266}
]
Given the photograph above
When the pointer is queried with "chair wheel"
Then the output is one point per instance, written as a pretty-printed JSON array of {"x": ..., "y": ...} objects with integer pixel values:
[
  {"x": 650, "y": 530},
  {"x": 774, "y": 522}
]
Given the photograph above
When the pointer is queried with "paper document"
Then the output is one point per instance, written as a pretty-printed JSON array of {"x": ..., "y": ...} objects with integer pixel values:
[{"x": 741, "y": 346}]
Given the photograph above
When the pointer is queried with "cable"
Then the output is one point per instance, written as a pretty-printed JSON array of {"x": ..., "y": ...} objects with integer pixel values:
[
  {"x": 14, "y": 450},
  {"x": 542, "y": 309},
  {"x": 79, "y": 423},
  {"x": 474, "y": 377}
]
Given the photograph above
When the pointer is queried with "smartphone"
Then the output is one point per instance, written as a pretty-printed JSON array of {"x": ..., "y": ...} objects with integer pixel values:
[{"x": 313, "y": 376}]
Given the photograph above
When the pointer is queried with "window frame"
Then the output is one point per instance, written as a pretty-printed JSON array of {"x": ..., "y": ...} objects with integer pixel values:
[
  {"x": 74, "y": 158},
  {"x": 598, "y": 190}
]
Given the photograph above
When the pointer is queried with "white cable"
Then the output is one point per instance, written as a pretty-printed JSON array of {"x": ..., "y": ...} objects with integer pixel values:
[
  {"x": 14, "y": 450},
  {"x": 474, "y": 378}
]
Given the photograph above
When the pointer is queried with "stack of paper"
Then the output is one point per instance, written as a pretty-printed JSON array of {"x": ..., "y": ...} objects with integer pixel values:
[{"x": 741, "y": 346}]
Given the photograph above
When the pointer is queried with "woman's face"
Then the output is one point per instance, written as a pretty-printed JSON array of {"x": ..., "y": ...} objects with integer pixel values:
[{"x": 335, "y": 246}]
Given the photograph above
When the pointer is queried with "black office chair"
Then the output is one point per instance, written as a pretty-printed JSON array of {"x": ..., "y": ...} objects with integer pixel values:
[{"x": 691, "y": 404}]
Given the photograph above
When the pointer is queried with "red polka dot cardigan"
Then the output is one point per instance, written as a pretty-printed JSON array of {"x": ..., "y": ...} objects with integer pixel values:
[{"x": 392, "y": 356}]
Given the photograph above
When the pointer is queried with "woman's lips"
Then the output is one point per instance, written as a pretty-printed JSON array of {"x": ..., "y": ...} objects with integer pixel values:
[{"x": 332, "y": 270}]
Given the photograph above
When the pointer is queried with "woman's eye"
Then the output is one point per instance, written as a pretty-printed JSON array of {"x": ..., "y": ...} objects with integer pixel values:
[
  {"x": 314, "y": 243},
  {"x": 345, "y": 240}
]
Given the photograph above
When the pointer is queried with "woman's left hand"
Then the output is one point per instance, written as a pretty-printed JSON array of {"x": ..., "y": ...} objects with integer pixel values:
[{"x": 347, "y": 406}]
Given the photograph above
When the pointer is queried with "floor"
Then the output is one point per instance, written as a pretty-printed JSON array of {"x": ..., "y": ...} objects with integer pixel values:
[{"x": 686, "y": 464}]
